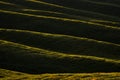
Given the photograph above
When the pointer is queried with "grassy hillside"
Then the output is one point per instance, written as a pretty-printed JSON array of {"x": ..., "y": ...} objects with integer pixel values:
[
  {"x": 7, "y": 74},
  {"x": 35, "y": 60},
  {"x": 67, "y": 44},
  {"x": 79, "y": 38},
  {"x": 62, "y": 26},
  {"x": 95, "y": 6}
]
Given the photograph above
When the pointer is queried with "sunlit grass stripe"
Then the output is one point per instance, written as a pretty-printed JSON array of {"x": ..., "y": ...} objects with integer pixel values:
[
  {"x": 10, "y": 75},
  {"x": 6, "y": 3},
  {"x": 33, "y": 10},
  {"x": 105, "y": 21}
]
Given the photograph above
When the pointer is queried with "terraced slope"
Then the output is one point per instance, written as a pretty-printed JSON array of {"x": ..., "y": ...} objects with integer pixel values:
[
  {"x": 42, "y": 61},
  {"x": 56, "y": 36},
  {"x": 67, "y": 44}
]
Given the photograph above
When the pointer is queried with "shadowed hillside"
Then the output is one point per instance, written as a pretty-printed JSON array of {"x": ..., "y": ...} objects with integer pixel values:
[
  {"x": 60, "y": 36},
  {"x": 90, "y": 5},
  {"x": 62, "y": 26},
  {"x": 67, "y": 44},
  {"x": 33, "y": 60}
]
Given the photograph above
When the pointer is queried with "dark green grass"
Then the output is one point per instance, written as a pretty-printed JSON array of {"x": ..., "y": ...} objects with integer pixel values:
[
  {"x": 33, "y": 60},
  {"x": 62, "y": 9},
  {"x": 62, "y": 43},
  {"x": 50, "y": 36},
  {"x": 89, "y": 5},
  {"x": 59, "y": 25},
  {"x": 8, "y": 73},
  {"x": 108, "y": 1}
]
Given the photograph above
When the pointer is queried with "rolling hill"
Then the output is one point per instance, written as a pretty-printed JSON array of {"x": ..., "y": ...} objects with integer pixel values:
[{"x": 69, "y": 39}]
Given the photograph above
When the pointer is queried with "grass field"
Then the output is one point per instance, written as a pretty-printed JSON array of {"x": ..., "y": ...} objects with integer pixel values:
[
  {"x": 59, "y": 40},
  {"x": 6, "y": 75}
]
